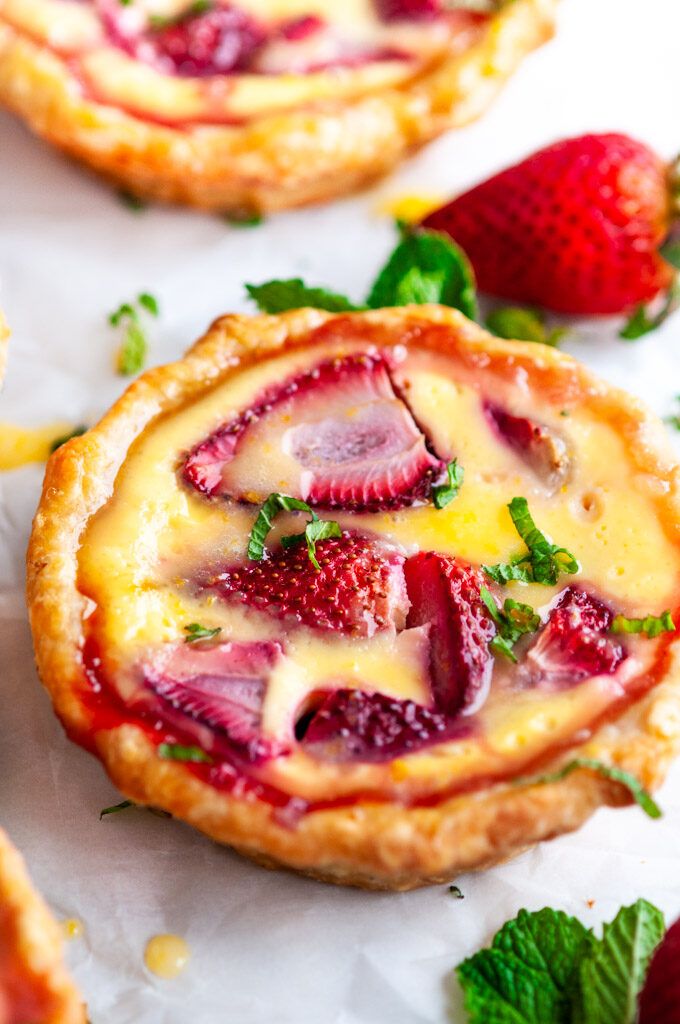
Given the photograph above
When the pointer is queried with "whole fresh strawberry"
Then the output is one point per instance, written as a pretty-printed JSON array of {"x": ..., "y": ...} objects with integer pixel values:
[{"x": 576, "y": 228}]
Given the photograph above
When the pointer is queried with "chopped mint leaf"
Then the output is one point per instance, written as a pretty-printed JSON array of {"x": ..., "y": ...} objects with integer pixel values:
[
  {"x": 133, "y": 350},
  {"x": 278, "y": 296},
  {"x": 528, "y": 974},
  {"x": 315, "y": 530},
  {"x": 244, "y": 219},
  {"x": 178, "y": 752},
  {"x": 426, "y": 267},
  {"x": 544, "y": 562},
  {"x": 115, "y": 808},
  {"x": 612, "y": 975},
  {"x": 443, "y": 494},
  {"x": 643, "y": 322},
  {"x": 635, "y": 788},
  {"x": 149, "y": 303},
  {"x": 195, "y": 632},
  {"x": 651, "y": 626},
  {"x": 455, "y": 891},
  {"x": 132, "y": 353},
  {"x": 76, "y": 432},
  {"x": 545, "y": 967},
  {"x": 160, "y": 21},
  {"x": 513, "y": 621},
  {"x": 674, "y": 421},
  {"x": 132, "y": 201},
  {"x": 515, "y": 323}
]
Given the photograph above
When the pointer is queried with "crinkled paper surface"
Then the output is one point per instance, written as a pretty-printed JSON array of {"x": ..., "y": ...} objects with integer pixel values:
[{"x": 270, "y": 948}]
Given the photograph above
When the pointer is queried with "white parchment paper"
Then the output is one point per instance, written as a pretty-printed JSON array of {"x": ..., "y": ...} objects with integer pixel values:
[{"x": 270, "y": 948}]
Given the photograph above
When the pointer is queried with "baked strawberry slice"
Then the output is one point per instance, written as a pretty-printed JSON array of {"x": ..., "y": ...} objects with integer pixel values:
[
  {"x": 358, "y": 590},
  {"x": 219, "y": 41},
  {"x": 540, "y": 447},
  {"x": 660, "y": 996},
  {"x": 408, "y": 10},
  {"x": 336, "y": 436},
  {"x": 221, "y": 686},
  {"x": 574, "y": 643},
  {"x": 445, "y": 594},
  {"x": 353, "y": 725}
]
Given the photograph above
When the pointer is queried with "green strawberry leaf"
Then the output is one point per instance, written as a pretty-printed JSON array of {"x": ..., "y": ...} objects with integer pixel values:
[
  {"x": 613, "y": 973},
  {"x": 643, "y": 322},
  {"x": 426, "y": 267},
  {"x": 515, "y": 323},
  {"x": 277, "y": 296}
]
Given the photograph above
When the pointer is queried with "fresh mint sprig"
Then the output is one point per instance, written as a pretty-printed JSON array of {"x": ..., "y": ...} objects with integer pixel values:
[
  {"x": 512, "y": 621},
  {"x": 444, "y": 493},
  {"x": 424, "y": 267},
  {"x": 639, "y": 794},
  {"x": 651, "y": 626},
  {"x": 546, "y": 967},
  {"x": 195, "y": 631},
  {"x": 180, "y": 752},
  {"x": 542, "y": 563}
]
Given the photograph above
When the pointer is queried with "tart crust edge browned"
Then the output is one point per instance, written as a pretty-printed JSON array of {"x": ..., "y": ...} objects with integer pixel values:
[
  {"x": 278, "y": 160},
  {"x": 372, "y": 845}
]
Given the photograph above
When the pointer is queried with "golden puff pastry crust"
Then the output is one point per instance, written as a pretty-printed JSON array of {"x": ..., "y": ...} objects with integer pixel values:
[
  {"x": 427, "y": 814},
  {"x": 34, "y": 984},
  {"x": 249, "y": 143}
]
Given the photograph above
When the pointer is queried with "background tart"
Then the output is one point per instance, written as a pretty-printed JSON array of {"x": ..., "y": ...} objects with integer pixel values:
[
  {"x": 257, "y": 105},
  {"x": 351, "y": 722},
  {"x": 34, "y": 984}
]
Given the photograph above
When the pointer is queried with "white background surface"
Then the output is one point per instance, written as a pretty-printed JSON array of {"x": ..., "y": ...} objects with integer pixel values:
[{"x": 272, "y": 948}]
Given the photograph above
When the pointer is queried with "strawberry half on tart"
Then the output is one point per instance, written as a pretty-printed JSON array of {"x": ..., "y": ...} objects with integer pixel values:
[
  {"x": 255, "y": 105},
  {"x": 375, "y": 596},
  {"x": 34, "y": 984}
]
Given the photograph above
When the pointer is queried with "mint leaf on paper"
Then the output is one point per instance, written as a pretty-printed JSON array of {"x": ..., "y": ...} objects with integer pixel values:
[
  {"x": 651, "y": 626},
  {"x": 545, "y": 967},
  {"x": 115, "y": 808},
  {"x": 426, "y": 267},
  {"x": 179, "y": 752},
  {"x": 444, "y": 493},
  {"x": 544, "y": 561},
  {"x": 76, "y": 432},
  {"x": 639, "y": 794},
  {"x": 315, "y": 530},
  {"x": 134, "y": 346},
  {"x": 612, "y": 975},
  {"x": 517, "y": 323},
  {"x": 528, "y": 974},
  {"x": 277, "y": 296}
]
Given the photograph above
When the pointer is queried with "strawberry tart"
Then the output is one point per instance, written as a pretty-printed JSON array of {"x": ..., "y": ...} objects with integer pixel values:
[
  {"x": 255, "y": 105},
  {"x": 34, "y": 984},
  {"x": 375, "y": 596}
]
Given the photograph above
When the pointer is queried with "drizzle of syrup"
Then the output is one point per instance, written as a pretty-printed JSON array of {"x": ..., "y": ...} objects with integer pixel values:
[{"x": 166, "y": 956}]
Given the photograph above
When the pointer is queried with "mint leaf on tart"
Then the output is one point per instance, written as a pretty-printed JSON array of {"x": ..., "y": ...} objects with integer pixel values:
[
  {"x": 277, "y": 296},
  {"x": 179, "y": 752},
  {"x": 612, "y": 975},
  {"x": 639, "y": 794},
  {"x": 545, "y": 967},
  {"x": 195, "y": 631},
  {"x": 444, "y": 493},
  {"x": 134, "y": 346},
  {"x": 315, "y": 530},
  {"x": 426, "y": 267},
  {"x": 513, "y": 621},
  {"x": 543, "y": 562},
  {"x": 522, "y": 324},
  {"x": 651, "y": 626}
]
